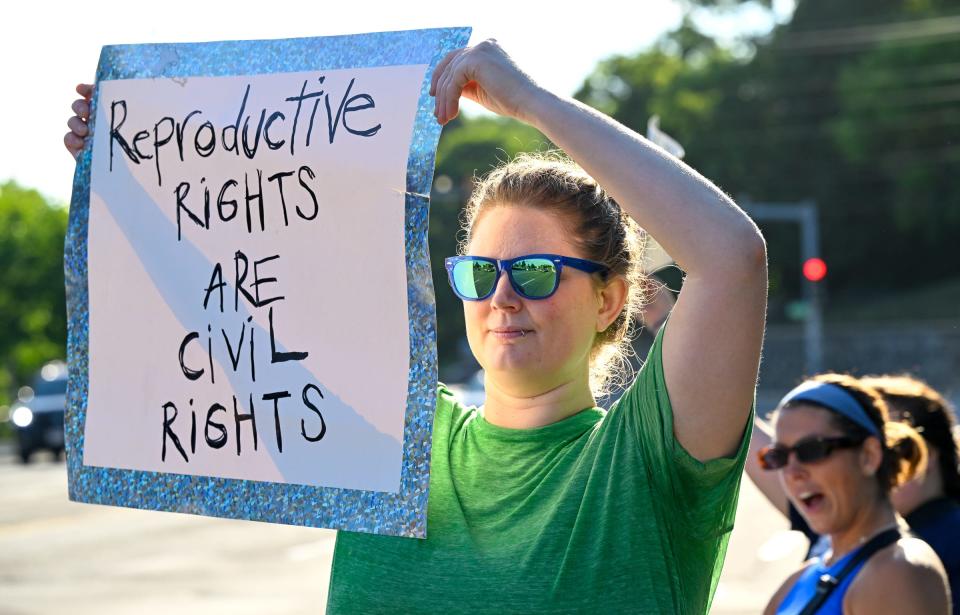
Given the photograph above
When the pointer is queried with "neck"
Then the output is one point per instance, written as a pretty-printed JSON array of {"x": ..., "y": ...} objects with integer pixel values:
[
  {"x": 869, "y": 523},
  {"x": 519, "y": 410}
]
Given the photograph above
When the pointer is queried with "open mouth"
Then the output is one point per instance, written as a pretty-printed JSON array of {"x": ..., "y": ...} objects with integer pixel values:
[{"x": 811, "y": 500}]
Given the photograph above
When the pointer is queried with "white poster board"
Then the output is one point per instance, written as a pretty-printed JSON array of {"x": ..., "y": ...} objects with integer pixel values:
[{"x": 248, "y": 268}]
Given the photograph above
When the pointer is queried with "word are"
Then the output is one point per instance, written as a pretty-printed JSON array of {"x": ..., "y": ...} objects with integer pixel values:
[{"x": 232, "y": 343}]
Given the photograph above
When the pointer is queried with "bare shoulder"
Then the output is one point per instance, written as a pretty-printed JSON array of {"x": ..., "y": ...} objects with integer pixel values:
[
  {"x": 909, "y": 557},
  {"x": 784, "y": 589},
  {"x": 906, "y": 577}
]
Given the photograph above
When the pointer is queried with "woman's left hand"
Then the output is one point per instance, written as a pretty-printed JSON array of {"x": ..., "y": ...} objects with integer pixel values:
[
  {"x": 485, "y": 74},
  {"x": 79, "y": 123}
]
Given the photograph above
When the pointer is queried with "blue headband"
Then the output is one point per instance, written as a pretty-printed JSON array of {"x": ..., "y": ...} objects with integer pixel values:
[{"x": 835, "y": 398}]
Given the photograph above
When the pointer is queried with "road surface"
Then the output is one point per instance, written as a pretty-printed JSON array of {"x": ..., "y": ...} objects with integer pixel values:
[{"x": 60, "y": 557}]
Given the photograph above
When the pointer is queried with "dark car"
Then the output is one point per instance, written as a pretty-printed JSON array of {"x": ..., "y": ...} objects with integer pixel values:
[{"x": 37, "y": 416}]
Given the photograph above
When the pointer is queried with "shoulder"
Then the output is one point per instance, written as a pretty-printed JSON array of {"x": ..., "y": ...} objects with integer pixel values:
[
  {"x": 908, "y": 557},
  {"x": 447, "y": 400},
  {"x": 445, "y": 395},
  {"x": 785, "y": 588},
  {"x": 905, "y": 577},
  {"x": 450, "y": 408},
  {"x": 448, "y": 397}
]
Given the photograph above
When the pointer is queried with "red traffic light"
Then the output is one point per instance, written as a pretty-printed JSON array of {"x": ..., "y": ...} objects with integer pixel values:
[{"x": 814, "y": 269}]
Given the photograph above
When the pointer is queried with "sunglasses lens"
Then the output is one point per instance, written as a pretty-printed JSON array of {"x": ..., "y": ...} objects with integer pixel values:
[
  {"x": 536, "y": 277},
  {"x": 474, "y": 279},
  {"x": 812, "y": 450},
  {"x": 773, "y": 458}
]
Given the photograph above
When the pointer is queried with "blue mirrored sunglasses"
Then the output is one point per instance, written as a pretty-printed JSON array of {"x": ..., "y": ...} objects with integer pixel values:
[{"x": 533, "y": 276}]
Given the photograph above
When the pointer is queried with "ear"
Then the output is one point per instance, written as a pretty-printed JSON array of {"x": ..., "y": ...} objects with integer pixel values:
[
  {"x": 611, "y": 300},
  {"x": 871, "y": 456}
]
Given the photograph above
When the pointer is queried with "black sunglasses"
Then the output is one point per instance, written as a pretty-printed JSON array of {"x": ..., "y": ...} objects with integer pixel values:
[{"x": 808, "y": 450}]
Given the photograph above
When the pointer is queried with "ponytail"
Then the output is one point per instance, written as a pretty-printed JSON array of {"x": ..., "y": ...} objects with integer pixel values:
[
  {"x": 919, "y": 405},
  {"x": 905, "y": 454}
]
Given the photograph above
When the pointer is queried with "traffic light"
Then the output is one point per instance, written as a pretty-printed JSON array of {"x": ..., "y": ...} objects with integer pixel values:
[{"x": 814, "y": 269}]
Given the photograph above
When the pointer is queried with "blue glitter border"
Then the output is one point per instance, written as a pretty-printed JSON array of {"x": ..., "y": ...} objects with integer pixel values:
[{"x": 402, "y": 513}]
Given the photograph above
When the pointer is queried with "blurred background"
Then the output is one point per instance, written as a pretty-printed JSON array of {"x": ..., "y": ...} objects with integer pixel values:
[{"x": 836, "y": 124}]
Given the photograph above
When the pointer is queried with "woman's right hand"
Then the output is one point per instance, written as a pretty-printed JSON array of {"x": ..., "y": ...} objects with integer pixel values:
[
  {"x": 79, "y": 130},
  {"x": 486, "y": 75}
]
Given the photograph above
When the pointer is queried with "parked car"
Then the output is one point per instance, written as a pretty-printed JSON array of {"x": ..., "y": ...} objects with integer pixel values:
[{"x": 37, "y": 415}]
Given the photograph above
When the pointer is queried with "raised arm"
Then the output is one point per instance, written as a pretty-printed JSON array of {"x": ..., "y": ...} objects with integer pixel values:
[{"x": 711, "y": 350}]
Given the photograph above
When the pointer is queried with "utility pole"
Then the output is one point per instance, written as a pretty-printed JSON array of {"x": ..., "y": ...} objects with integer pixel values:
[{"x": 805, "y": 215}]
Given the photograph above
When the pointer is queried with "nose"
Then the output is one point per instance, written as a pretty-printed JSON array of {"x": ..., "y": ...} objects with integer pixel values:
[
  {"x": 504, "y": 297},
  {"x": 794, "y": 468}
]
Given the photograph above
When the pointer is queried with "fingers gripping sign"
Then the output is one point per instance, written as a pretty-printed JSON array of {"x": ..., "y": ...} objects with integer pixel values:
[
  {"x": 79, "y": 129},
  {"x": 484, "y": 74}
]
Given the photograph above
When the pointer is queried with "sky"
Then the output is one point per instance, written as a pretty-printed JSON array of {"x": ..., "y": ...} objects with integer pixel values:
[{"x": 46, "y": 49}]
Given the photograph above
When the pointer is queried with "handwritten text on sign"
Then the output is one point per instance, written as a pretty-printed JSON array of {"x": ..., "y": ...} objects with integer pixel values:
[{"x": 247, "y": 276}]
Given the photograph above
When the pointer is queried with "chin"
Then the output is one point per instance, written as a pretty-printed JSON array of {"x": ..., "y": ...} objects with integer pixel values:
[
  {"x": 821, "y": 521},
  {"x": 511, "y": 358},
  {"x": 518, "y": 371},
  {"x": 824, "y": 527}
]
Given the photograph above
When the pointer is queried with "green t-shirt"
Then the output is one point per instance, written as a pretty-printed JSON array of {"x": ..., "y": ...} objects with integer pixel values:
[{"x": 602, "y": 512}]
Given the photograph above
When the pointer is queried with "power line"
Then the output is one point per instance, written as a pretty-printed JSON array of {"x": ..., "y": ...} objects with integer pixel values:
[
  {"x": 852, "y": 38},
  {"x": 899, "y": 76},
  {"x": 895, "y": 125}
]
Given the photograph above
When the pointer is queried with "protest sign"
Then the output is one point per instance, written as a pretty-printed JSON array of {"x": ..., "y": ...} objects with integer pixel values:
[{"x": 250, "y": 308}]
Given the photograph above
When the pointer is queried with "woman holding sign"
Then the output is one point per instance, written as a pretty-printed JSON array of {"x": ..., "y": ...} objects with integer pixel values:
[{"x": 540, "y": 501}]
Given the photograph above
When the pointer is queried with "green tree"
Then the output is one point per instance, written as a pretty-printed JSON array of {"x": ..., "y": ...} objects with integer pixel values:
[
  {"x": 899, "y": 126},
  {"x": 851, "y": 104},
  {"x": 33, "y": 326},
  {"x": 856, "y": 100}
]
